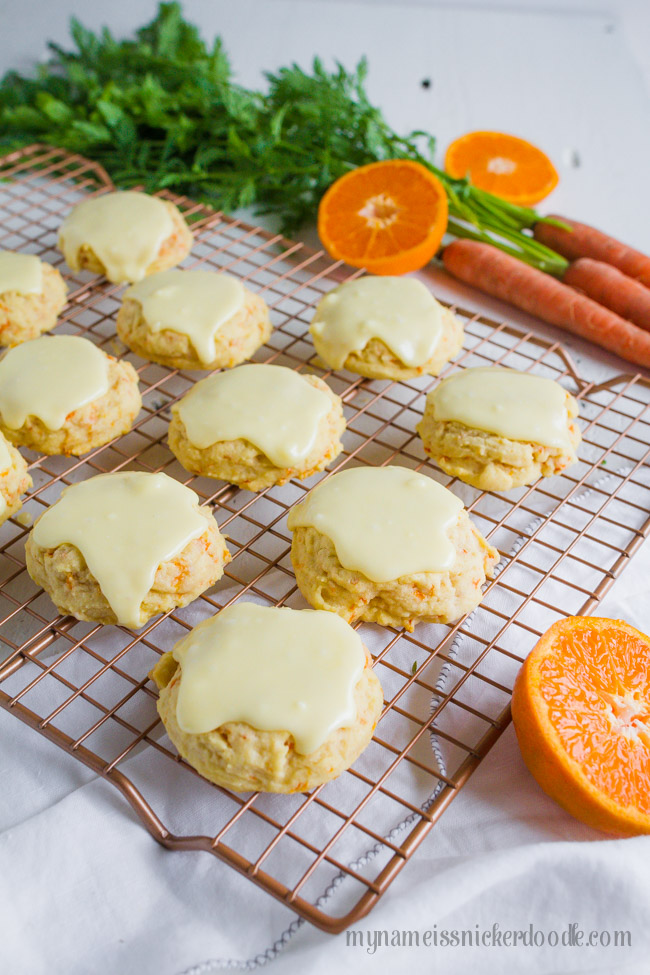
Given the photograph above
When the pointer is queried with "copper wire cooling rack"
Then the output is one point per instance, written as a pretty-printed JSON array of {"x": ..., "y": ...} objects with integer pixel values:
[{"x": 331, "y": 854}]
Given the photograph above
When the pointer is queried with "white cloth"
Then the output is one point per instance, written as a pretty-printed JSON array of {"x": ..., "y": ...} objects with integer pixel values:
[{"x": 84, "y": 889}]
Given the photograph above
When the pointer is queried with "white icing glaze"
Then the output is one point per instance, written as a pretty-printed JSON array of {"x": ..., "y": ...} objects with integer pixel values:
[
  {"x": 272, "y": 407},
  {"x": 49, "y": 378},
  {"x": 505, "y": 402},
  {"x": 194, "y": 303},
  {"x": 124, "y": 525},
  {"x": 125, "y": 230},
  {"x": 22, "y": 273},
  {"x": 275, "y": 669},
  {"x": 386, "y": 522},
  {"x": 401, "y": 312}
]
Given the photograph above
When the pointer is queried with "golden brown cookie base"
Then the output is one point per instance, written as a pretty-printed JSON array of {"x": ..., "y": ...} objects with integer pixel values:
[
  {"x": 432, "y": 597},
  {"x": 24, "y": 317},
  {"x": 490, "y": 462},
  {"x": 14, "y": 482},
  {"x": 244, "y": 759},
  {"x": 237, "y": 339},
  {"x": 172, "y": 250},
  {"x": 92, "y": 425},
  {"x": 63, "y": 574},
  {"x": 241, "y": 462},
  {"x": 376, "y": 361}
]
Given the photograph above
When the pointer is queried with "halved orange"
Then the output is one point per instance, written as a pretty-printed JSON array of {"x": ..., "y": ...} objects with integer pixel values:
[
  {"x": 504, "y": 165},
  {"x": 581, "y": 710},
  {"x": 388, "y": 217}
]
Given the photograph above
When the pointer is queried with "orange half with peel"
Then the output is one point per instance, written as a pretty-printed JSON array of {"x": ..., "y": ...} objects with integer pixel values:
[
  {"x": 388, "y": 217},
  {"x": 502, "y": 164},
  {"x": 581, "y": 710}
]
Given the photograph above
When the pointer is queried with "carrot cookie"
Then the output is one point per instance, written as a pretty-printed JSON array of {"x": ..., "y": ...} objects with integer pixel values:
[
  {"x": 124, "y": 236},
  {"x": 193, "y": 320},
  {"x": 123, "y": 547},
  {"x": 61, "y": 394},
  {"x": 14, "y": 479},
  {"x": 32, "y": 293},
  {"x": 498, "y": 428},
  {"x": 388, "y": 545},
  {"x": 277, "y": 700},
  {"x": 385, "y": 328},
  {"x": 257, "y": 425}
]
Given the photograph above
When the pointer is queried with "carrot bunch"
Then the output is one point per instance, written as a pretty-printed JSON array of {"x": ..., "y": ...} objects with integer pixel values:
[
  {"x": 604, "y": 294},
  {"x": 391, "y": 215}
]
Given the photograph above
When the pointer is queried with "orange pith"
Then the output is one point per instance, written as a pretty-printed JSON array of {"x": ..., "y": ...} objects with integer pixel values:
[
  {"x": 504, "y": 165},
  {"x": 388, "y": 217},
  {"x": 581, "y": 710}
]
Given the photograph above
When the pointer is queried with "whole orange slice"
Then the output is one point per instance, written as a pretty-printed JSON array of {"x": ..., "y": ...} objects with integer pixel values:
[
  {"x": 388, "y": 217},
  {"x": 504, "y": 165},
  {"x": 581, "y": 710}
]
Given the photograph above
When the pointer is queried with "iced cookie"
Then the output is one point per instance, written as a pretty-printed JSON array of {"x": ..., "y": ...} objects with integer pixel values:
[
  {"x": 61, "y": 394},
  {"x": 385, "y": 328},
  {"x": 390, "y": 546},
  {"x": 123, "y": 547},
  {"x": 193, "y": 320},
  {"x": 124, "y": 236},
  {"x": 14, "y": 479},
  {"x": 32, "y": 293},
  {"x": 277, "y": 700},
  {"x": 498, "y": 428},
  {"x": 257, "y": 425}
]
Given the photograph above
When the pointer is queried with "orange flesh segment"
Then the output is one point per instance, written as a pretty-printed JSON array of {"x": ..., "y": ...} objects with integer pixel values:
[
  {"x": 388, "y": 217},
  {"x": 504, "y": 165},
  {"x": 581, "y": 710},
  {"x": 597, "y": 689}
]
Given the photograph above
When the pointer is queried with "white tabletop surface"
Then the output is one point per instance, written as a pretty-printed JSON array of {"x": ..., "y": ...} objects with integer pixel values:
[{"x": 575, "y": 79}]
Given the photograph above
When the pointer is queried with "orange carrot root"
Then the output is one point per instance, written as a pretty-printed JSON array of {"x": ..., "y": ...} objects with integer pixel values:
[
  {"x": 611, "y": 288},
  {"x": 497, "y": 274},
  {"x": 585, "y": 241}
]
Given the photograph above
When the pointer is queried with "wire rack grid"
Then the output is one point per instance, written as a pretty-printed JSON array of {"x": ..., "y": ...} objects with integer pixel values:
[{"x": 332, "y": 853}]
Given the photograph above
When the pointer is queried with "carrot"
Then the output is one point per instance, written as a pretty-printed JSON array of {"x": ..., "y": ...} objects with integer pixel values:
[
  {"x": 611, "y": 288},
  {"x": 585, "y": 241},
  {"x": 509, "y": 279}
]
